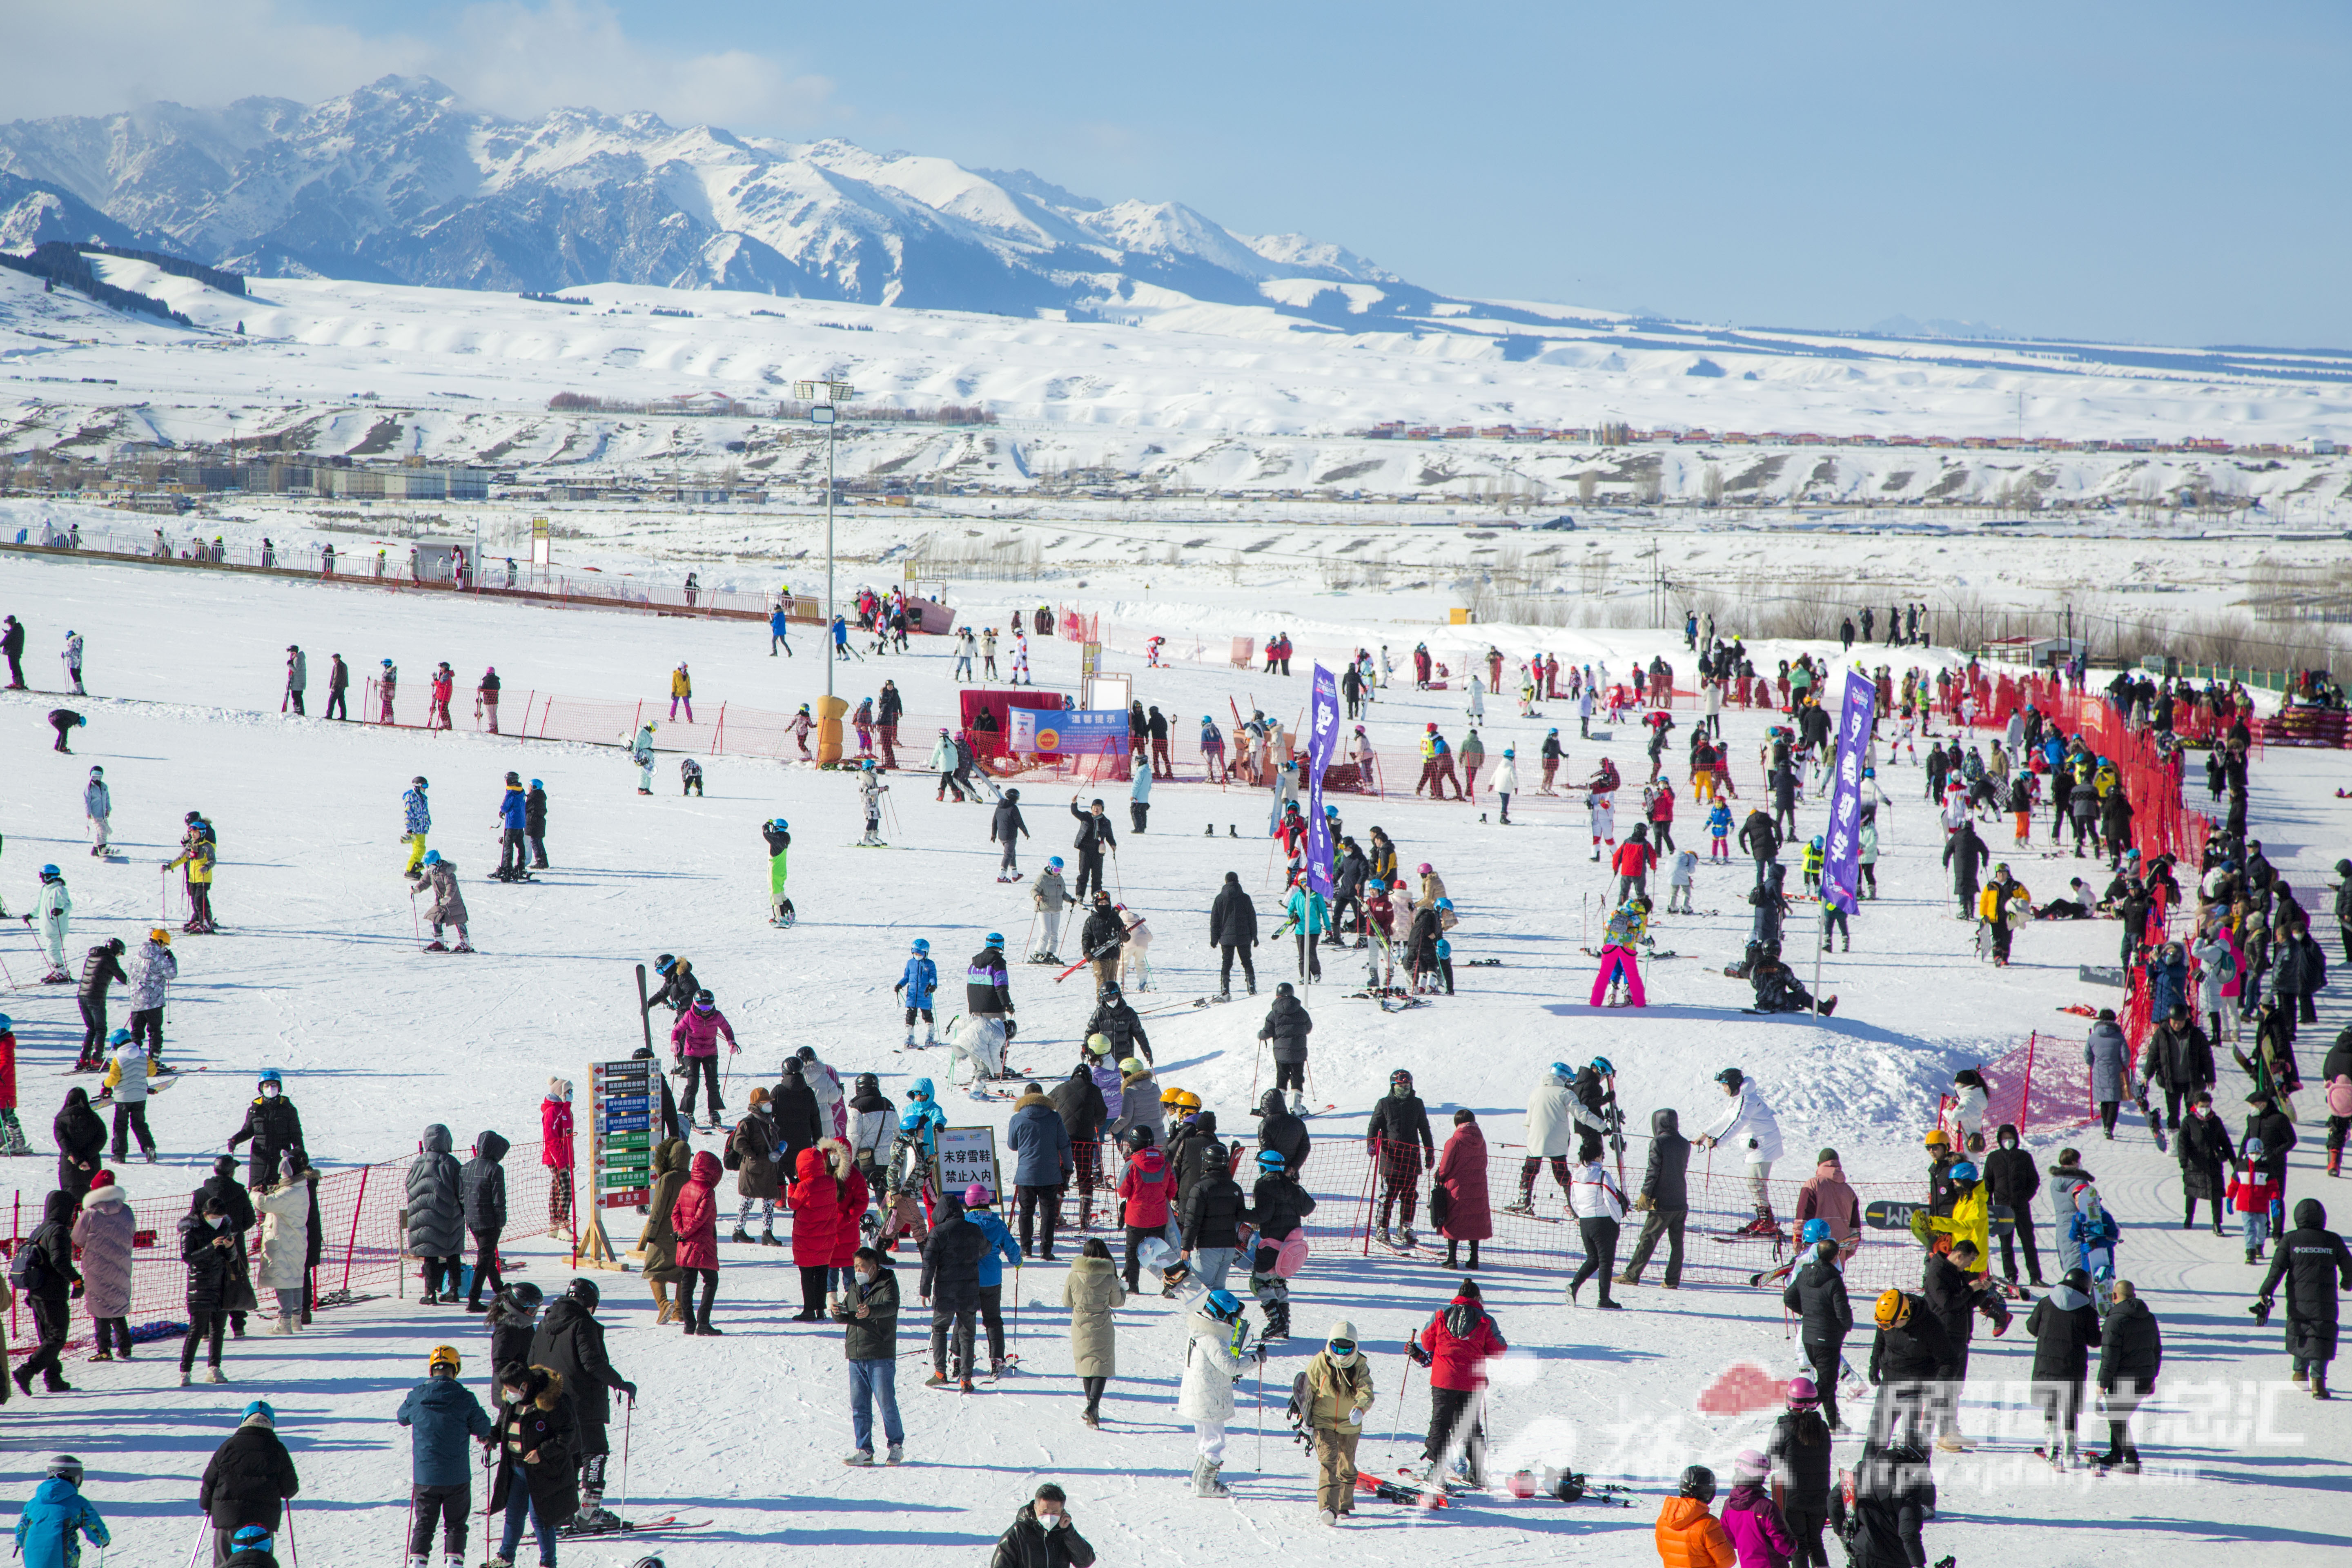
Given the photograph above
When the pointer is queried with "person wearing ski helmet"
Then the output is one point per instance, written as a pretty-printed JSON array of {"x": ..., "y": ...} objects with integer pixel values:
[
  {"x": 440, "y": 877},
  {"x": 571, "y": 1343},
  {"x": 1910, "y": 1359},
  {"x": 55, "y": 1515},
  {"x": 1337, "y": 1392},
  {"x": 1804, "y": 1470},
  {"x": 416, "y": 822},
  {"x": 1218, "y": 1349},
  {"x": 273, "y": 1124},
  {"x": 1747, "y": 1126},
  {"x": 442, "y": 1415},
  {"x": 514, "y": 816},
  {"x": 534, "y": 823},
  {"x": 1005, "y": 827},
  {"x": 917, "y": 983},
  {"x": 778, "y": 836},
  {"x": 1278, "y": 1208},
  {"x": 248, "y": 1482},
  {"x": 1689, "y": 1536},
  {"x": 1399, "y": 1142}
]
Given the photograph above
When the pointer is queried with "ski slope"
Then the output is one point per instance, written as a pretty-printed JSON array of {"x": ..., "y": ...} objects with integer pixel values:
[{"x": 315, "y": 974}]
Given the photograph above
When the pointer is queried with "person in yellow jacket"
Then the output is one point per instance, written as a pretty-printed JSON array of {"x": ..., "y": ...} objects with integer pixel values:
[
  {"x": 2004, "y": 904},
  {"x": 681, "y": 691},
  {"x": 1339, "y": 1390},
  {"x": 1971, "y": 1216},
  {"x": 196, "y": 855}
]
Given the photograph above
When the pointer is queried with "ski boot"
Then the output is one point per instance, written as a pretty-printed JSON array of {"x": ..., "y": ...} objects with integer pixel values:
[
  {"x": 1387, "y": 1238},
  {"x": 1407, "y": 1239},
  {"x": 931, "y": 1036},
  {"x": 909, "y": 1044},
  {"x": 1298, "y": 1103}
]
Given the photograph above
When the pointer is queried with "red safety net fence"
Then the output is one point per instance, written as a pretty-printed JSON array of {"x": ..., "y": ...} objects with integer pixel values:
[{"x": 362, "y": 1245}]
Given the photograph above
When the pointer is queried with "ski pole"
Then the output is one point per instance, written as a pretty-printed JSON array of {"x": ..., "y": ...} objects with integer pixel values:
[
  {"x": 1261, "y": 1409},
  {"x": 293, "y": 1547},
  {"x": 628, "y": 1412},
  {"x": 203, "y": 1527}
]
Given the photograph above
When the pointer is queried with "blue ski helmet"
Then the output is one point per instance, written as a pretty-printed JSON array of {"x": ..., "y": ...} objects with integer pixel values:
[
  {"x": 779, "y": 824},
  {"x": 996, "y": 939},
  {"x": 119, "y": 1036},
  {"x": 50, "y": 873},
  {"x": 1271, "y": 1159},
  {"x": 433, "y": 857},
  {"x": 7, "y": 1023},
  {"x": 1604, "y": 1067},
  {"x": 1815, "y": 1231},
  {"x": 1563, "y": 1069},
  {"x": 252, "y": 1538},
  {"x": 910, "y": 1120},
  {"x": 262, "y": 1408},
  {"x": 271, "y": 1075},
  {"x": 1055, "y": 862},
  {"x": 922, "y": 946},
  {"x": 536, "y": 784},
  {"x": 1965, "y": 1171},
  {"x": 1224, "y": 1306}
]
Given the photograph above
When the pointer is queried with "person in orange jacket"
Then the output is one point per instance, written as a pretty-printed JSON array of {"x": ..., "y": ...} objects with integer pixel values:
[{"x": 1689, "y": 1536}]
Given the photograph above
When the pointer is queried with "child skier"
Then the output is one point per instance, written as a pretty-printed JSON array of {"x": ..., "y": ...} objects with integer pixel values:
[
  {"x": 1718, "y": 831},
  {"x": 1678, "y": 880},
  {"x": 2252, "y": 1192},
  {"x": 919, "y": 981},
  {"x": 1617, "y": 958},
  {"x": 871, "y": 789},
  {"x": 1050, "y": 895}
]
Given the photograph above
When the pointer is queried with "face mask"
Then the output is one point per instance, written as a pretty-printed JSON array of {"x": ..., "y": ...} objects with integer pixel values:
[
  {"x": 1052, "y": 1521},
  {"x": 216, "y": 1220},
  {"x": 866, "y": 1278},
  {"x": 269, "y": 1091}
]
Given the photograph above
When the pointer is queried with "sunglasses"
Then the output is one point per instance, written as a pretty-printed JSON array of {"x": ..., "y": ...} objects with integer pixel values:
[{"x": 1344, "y": 1347}]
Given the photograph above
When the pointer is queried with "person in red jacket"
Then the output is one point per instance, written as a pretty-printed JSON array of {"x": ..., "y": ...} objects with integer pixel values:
[
  {"x": 816, "y": 1229},
  {"x": 847, "y": 1238},
  {"x": 1631, "y": 863},
  {"x": 1143, "y": 1195},
  {"x": 1662, "y": 818},
  {"x": 1456, "y": 1346},
  {"x": 695, "y": 1219},
  {"x": 555, "y": 1153}
]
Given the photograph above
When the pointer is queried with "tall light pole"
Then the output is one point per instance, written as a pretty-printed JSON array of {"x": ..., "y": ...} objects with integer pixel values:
[{"x": 822, "y": 398}]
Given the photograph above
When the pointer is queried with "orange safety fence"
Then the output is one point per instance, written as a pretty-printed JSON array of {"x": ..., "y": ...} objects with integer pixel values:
[{"x": 361, "y": 1245}]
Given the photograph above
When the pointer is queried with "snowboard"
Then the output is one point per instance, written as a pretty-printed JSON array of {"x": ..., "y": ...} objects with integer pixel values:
[
  {"x": 1399, "y": 1491},
  {"x": 1893, "y": 1214}
]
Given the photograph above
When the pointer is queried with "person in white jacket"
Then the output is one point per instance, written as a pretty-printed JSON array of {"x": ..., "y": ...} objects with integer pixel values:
[
  {"x": 72, "y": 655},
  {"x": 1598, "y": 1204},
  {"x": 1747, "y": 1126},
  {"x": 1968, "y": 1109},
  {"x": 1505, "y": 781},
  {"x": 97, "y": 805},
  {"x": 53, "y": 908},
  {"x": 1553, "y": 1115},
  {"x": 1216, "y": 1352},
  {"x": 826, "y": 1084},
  {"x": 151, "y": 970}
]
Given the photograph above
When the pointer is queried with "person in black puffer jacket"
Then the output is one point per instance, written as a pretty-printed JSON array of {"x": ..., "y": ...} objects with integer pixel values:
[
  {"x": 2012, "y": 1178},
  {"x": 212, "y": 1248},
  {"x": 1042, "y": 1536},
  {"x": 1232, "y": 932},
  {"x": 2312, "y": 1260},
  {"x": 2131, "y": 1353},
  {"x": 1210, "y": 1221},
  {"x": 1955, "y": 1292},
  {"x": 483, "y": 1181},
  {"x": 274, "y": 1125},
  {"x": 82, "y": 1143},
  {"x": 1664, "y": 1199},
  {"x": 1399, "y": 1142},
  {"x": 51, "y": 1297},
  {"x": 571, "y": 1343},
  {"x": 1894, "y": 1493},
  {"x": 249, "y": 1480},
  {"x": 513, "y": 1322},
  {"x": 1284, "y": 1133},
  {"x": 1802, "y": 1471},
  {"x": 2065, "y": 1326},
  {"x": 2202, "y": 1146},
  {"x": 537, "y": 1478},
  {"x": 1278, "y": 1206},
  {"x": 950, "y": 1282},
  {"x": 1193, "y": 1152},
  {"x": 1910, "y": 1357},
  {"x": 1287, "y": 1026},
  {"x": 1078, "y": 1101},
  {"x": 791, "y": 1105},
  {"x": 1115, "y": 1016},
  {"x": 1816, "y": 1294}
]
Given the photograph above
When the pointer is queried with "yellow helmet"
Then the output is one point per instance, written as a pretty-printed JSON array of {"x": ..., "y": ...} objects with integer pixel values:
[
  {"x": 1893, "y": 1307},
  {"x": 1938, "y": 1138},
  {"x": 444, "y": 1355},
  {"x": 159, "y": 934},
  {"x": 1181, "y": 1099}
]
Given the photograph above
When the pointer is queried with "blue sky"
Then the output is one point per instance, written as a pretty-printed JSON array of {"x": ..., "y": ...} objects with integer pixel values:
[{"x": 2158, "y": 172}]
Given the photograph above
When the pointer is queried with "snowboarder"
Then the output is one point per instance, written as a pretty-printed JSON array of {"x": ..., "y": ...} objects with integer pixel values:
[
  {"x": 53, "y": 907},
  {"x": 641, "y": 751}
]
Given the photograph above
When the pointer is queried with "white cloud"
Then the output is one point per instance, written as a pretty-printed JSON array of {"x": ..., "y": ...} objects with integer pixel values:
[{"x": 508, "y": 56}]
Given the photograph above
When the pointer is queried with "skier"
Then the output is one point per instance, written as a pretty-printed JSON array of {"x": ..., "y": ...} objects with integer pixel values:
[
  {"x": 54, "y": 909},
  {"x": 1116, "y": 1020},
  {"x": 448, "y": 904},
  {"x": 416, "y": 820},
  {"x": 1454, "y": 1346},
  {"x": 1232, "y": 932},
  {"x": 918, "y": 982},
  {"x": 987, "y": 990},
  {"x": 56, "y": 1513},
  {"x": 779, "y": 843},
  {"x": 1005, "y": 825},
  {"x": 1217, "y": 1351},
  {"x": 571, "y": 1344},
  {"x": 1278, "y": 1208},
  {"x": 65, "y": 720},
  {"x": 1400, "y": 1121},
  {"x": 870, "y": 790},
  {"x": 1747, "y": 1125},
  {"x": 1049, "y": 895},
  {"x": 641, "y": 751},
  {"x": 98, "y": 805},
  {"x": 444, "y": 1413},
  {"x": 1618, "y": 938},
  {"x": 514, "y": 816},
  {"x": 1095, "y": 836},
  {"x": 1600, "y": 804},
  {"x": 127, "y": 1073},
  {"x": 944, "y": 761}
]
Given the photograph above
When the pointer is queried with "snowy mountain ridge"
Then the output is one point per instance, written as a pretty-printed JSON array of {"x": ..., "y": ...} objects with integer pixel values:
[{"x": 397, "y": 181}]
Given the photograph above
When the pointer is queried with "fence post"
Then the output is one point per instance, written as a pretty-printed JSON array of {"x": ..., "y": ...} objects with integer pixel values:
[
  {"x": 718, "y": 732},
  {"x": 358, "y": 1207}
]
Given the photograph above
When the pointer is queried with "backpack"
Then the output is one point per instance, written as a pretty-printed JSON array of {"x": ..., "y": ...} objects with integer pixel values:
[
  {"x": 29, "y": 1269},
  {"x": 2339, "y": 1096}
]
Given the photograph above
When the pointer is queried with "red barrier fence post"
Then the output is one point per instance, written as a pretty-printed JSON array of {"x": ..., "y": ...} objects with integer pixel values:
[{"x": 358, "y": 1207}]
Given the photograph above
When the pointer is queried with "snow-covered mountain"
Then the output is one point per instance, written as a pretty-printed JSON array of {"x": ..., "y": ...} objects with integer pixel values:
[{"x": 398, "y": 182}]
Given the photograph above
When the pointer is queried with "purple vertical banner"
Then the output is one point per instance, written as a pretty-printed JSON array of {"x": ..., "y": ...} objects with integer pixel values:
[
  {"x": 1842, "y": 846},
  {"x": 1322, "y": 734}
]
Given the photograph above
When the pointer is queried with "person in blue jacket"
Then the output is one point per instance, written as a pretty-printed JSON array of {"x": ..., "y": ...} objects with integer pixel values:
[
  {"x": 779, "y": 626},
  {"x": 1002, "y": 1250},
  {"x": 514, "y": 821},
  {"x": 444, "y": 1413},
  {"x": 840, "y": 637},
  {"x": 920, "y": 980},
  {"x": 56, "y": 1515}
]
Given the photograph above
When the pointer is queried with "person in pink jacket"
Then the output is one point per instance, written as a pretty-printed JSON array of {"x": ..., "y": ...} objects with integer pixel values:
[
  {"x": 694, "y": 1039},
  {"x": 555, "y": 1153},
  {"x": 1753, "y": 1518}
]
